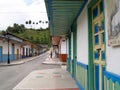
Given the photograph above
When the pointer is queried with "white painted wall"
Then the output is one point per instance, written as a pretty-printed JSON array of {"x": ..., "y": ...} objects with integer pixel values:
[
  {"x": 82, "y": 37},
  {"x": 112, "y": 53},
  {"x": 63, "y": 46},
  {"x": 17, "y": 46},
  {"x": 67, "y": 47},
  {"x": 26, "y": 46},
  {"x": 4, "y": 45}
]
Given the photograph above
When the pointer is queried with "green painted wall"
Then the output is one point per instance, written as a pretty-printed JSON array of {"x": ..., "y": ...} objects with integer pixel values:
[
  {"x": 81, "y": 76},
  {"x": 110, "y": 85}
]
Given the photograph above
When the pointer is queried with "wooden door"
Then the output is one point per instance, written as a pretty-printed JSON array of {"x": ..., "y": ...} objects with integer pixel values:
[{"x": 98, "y": 35}]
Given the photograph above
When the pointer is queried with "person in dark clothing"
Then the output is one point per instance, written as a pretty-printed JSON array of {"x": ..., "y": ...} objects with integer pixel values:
[{"x": 51, "y": 54}]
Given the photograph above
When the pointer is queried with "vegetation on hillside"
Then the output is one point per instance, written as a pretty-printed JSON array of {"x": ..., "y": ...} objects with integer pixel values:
[{"x": 37, "y": 36}]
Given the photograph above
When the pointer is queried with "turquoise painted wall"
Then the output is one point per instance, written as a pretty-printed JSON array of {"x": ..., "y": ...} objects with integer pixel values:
[
  {"x": 5, "y": 57},
  {"x": 68, "y": 64}
]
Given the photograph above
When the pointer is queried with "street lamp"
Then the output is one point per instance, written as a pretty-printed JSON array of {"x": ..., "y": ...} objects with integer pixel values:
[
  {"x": 8, "y": 50},
  {"x": 8, "y": 39}
]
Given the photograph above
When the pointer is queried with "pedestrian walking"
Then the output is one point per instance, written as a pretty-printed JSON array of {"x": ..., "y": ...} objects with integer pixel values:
[{"x": 50, "y": 54}]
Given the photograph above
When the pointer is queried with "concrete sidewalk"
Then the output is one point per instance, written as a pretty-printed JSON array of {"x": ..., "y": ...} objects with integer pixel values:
[
  {"x": 55, "y": 61},
  {"x": 49, "y": 79},
  {"x": 20, "y": 61}
]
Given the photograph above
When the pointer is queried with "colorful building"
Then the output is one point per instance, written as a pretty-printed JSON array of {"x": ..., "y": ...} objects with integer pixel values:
[
  {"x": 92, "y": 32},
  {"x": 10, "y": 47},
  {"x": 13, "y": 47}
]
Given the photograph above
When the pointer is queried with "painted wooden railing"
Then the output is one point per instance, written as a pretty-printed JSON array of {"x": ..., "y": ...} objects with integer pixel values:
[
  {"x": 111, "y": 81},
  {"x": 82, "y": 76}
]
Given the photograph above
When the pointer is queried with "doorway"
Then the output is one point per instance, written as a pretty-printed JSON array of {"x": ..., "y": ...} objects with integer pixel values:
[{"x": 97, "y": 57}]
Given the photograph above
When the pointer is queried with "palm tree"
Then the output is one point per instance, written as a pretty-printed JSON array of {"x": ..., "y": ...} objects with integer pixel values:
[
  {"x": 43, "y": 22},
  {"x": 34, "y": 24},
  {"x": 26, "y": 22},
  {"x": 40, "y": 21},
  {"x": 46, "y": 22},
  {"x": 30, "y": 23}
]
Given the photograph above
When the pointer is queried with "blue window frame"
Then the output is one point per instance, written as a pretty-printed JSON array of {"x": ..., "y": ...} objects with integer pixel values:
[
  {"x": 96, "y": 39},
  {"x": 96, "y": 28},
  {"x": 103, "y": 55},
  {"x": 103, "y": 69},
  {"x": 96, "y": 55},
  {"x": 97, "y": 76},
  {"x": 95, "y": 12}
]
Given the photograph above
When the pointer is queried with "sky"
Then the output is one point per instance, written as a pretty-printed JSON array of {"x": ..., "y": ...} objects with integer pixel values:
[{"x": 20, "y": 11}]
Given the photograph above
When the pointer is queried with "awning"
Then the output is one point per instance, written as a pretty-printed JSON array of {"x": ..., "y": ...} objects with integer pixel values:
[{"x": 62, "y": 14}]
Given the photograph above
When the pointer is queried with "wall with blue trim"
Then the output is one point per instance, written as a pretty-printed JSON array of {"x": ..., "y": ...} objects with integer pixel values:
[
  {"x": 5, "y": 57},
  {"x": 82, "y": 76},
  {"x": 112, "y": 52},
  {"x": 111, "y": 81}
]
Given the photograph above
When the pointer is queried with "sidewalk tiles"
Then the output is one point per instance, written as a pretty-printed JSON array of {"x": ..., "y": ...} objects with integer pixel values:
[{"x": 49, "y": 79}]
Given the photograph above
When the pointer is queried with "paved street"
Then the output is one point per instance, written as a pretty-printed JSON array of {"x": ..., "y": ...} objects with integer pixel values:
[{"x": 10, "y": 76}]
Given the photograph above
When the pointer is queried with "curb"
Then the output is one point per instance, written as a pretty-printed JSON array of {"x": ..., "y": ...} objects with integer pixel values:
[{"x": 19, "y": 62}]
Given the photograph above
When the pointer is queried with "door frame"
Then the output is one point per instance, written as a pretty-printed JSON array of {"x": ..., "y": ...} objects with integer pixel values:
[
  {"x": 69, "y": 52},
  {"x": 90, "y": 46},
  {"x": 74, "y": 29},
  {"x": 17, "y": 54},
  {"x": 13, "y": 51}
]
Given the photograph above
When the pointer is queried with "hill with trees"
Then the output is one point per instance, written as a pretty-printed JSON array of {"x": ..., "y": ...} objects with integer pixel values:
[{"x": 37, "y": 36}]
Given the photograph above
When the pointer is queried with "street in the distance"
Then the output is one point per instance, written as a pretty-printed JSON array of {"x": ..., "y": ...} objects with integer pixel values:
[{"x": 10, "y": 76}]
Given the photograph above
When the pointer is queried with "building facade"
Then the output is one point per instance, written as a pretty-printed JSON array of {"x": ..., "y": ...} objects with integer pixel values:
[
  {"x": 93, "y": 40},
  {"x": 13, "y": 48},
  {"x": 10, "y": 48}
]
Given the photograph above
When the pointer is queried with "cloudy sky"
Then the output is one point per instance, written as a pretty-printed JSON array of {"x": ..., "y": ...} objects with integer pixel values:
[{"x": 20, "y": 11}]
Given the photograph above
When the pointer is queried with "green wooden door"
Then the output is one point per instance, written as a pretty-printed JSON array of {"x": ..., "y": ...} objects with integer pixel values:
[
  {"x": 98, "y": 35},
  {"x": 74, "y": 49}
]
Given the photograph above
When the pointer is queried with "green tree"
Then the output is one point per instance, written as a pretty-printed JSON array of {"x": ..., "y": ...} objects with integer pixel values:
[
  {"x": 32, "y": 38},
  {"x": 37, "y": 40},
  {"x": 16, "y": 28}
]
